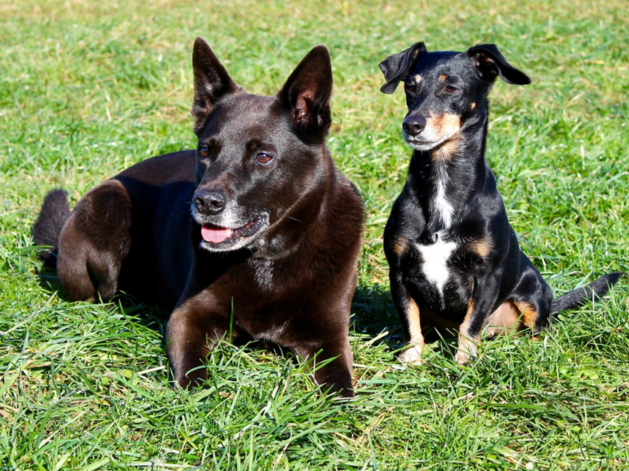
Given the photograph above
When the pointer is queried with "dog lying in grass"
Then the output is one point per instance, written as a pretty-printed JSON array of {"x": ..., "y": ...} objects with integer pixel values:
[
  {"x": 255, "y": 233},
  {"x": 454, "y": 259}
]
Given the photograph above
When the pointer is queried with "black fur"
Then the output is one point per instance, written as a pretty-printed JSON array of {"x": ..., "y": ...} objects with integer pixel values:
[
  {"x": 580, "y": 296},
  {"x": 454, "y": 258}
]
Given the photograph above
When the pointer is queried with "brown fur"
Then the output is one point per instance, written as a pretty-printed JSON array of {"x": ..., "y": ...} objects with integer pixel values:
[
  {"x": 399, "y": 246},
  {"x": 468, "y": 341},
  {"x": 413, "y": 355},
  {"x": 447, "y": 150},
  {"x": 481, "y": 247},
  {"x": 529, "y": 313},
  {"x": 291, "y": 285},
  {"x": 504, "y": 320},
  {"x": 440, "y": 126}
]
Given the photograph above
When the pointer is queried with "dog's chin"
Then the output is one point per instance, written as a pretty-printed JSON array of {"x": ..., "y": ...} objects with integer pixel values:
[
  {"x": 422, "y": 145},
  {"x": 220, "y": 239}
]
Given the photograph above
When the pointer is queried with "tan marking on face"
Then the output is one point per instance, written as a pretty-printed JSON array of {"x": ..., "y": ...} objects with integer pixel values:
[
  {"x": 468, "y": 343},
  {"x": 473, "y": 106},
  {"x": 417, "y": 78},
  {"x": 440, "y": 127},
  {"x": 480, "y": 247},
  {"x": 446, "y": 150},
  {"x": 529, "y": 313},
  {"x": 443, "y": 78},
  {"x": 504, "y": 320}
]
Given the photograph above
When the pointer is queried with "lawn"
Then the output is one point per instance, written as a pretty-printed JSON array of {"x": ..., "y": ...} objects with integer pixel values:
[{"x": 88, "y": 88}]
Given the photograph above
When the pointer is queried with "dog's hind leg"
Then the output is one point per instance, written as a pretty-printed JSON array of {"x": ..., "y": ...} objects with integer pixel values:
[
  {"x": 93, "y": 243},
  {"x": 532, "y": 296}
]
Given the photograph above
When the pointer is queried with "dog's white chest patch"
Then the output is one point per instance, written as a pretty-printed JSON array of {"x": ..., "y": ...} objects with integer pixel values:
[
  {"x": 436, "y": 256},
  {"x": 441, "y": 204},
  {"x": 263, "y": 272}
]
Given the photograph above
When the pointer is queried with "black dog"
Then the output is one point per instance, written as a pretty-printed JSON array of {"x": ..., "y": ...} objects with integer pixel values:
[
  {"x": 454, "y": 258},
  {"x": 255, "y": 231}
]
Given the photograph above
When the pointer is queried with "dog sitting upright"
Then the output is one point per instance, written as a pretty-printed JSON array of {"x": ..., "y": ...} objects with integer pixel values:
[
  {"x": 454, "y": 258},
  {"x": 256, "y": 223}
]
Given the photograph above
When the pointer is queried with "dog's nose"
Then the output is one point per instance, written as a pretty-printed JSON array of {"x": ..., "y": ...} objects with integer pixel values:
[
  {"x": 413, "y": 125},
  {"x": 209, "y": 201}
]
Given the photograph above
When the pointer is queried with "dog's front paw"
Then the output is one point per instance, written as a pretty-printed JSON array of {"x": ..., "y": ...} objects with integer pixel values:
[
  {"x": 462, "y": 358},
  {"x": 412, "y": 356}
]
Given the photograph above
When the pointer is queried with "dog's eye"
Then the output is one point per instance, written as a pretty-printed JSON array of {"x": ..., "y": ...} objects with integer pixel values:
[
  {"x": 264, "y": 158},
  {"x": 204, "y": 151},
  {"x": 450, "y": 89},
  {"x": 410, "y": 87}
]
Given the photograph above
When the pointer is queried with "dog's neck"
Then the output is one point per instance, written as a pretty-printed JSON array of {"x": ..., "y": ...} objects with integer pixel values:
[{"x": 445, "y": 179}]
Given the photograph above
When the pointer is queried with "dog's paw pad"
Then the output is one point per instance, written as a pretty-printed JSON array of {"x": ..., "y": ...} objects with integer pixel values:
[{"x": 412, "y": 356}]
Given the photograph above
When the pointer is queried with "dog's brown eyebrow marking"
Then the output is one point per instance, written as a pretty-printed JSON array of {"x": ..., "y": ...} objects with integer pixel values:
[
  {"x": 417, "y": 78},
  {"x": 443, "y": 78},
  {"x": 473, "y": 106}
]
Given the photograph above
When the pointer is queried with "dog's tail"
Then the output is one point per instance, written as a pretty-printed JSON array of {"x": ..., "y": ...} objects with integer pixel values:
[
  {"x": 580, "y": 296},
  {"x": 52, "y": 216}
]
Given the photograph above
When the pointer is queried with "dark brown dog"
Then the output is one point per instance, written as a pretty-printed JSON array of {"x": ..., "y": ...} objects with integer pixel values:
[{"x": 256, "y": 227}]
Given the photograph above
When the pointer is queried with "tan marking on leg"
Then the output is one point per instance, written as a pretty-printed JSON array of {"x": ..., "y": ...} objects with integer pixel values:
[
  {"x": 504, "y": 320},
  {"x": 413, "y": 354},
  {"x": 443, "y": 78},
  {"x": 480, "y": 247},
  {"x": 399, "y": 246},
  {"x": 473, "y": 106},
  {"x": 468, "y": 344},
  {"x": 529, "y": 313}
]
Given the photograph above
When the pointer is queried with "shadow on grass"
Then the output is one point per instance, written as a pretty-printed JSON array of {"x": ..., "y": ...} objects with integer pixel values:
[
  {"x": 147, "y": 315},
  {"x": 374, "y": 315}
]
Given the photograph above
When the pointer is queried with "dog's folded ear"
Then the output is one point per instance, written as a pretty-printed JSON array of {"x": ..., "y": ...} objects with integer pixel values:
[
  {"x": 307, "y": 92},
  {"x": 397, "y": 67},
  {"x": 490, "y": 63},
  {"x": 211, "y": 82}
]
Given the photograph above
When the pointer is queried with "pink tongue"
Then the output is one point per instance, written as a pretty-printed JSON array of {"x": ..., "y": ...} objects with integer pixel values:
[{"x": 216, "y": 236}]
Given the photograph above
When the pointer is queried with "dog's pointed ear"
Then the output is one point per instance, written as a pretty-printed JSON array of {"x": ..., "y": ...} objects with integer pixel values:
[
  {"x": 211, "y": 82},
  {"x": 490, "y": 63},
  {"x": 397, "y": 67},
  {"x": 307, "y": 92}
]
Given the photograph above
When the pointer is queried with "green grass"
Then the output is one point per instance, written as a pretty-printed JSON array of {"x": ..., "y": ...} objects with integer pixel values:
[{"x": 88, "y": 88}]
